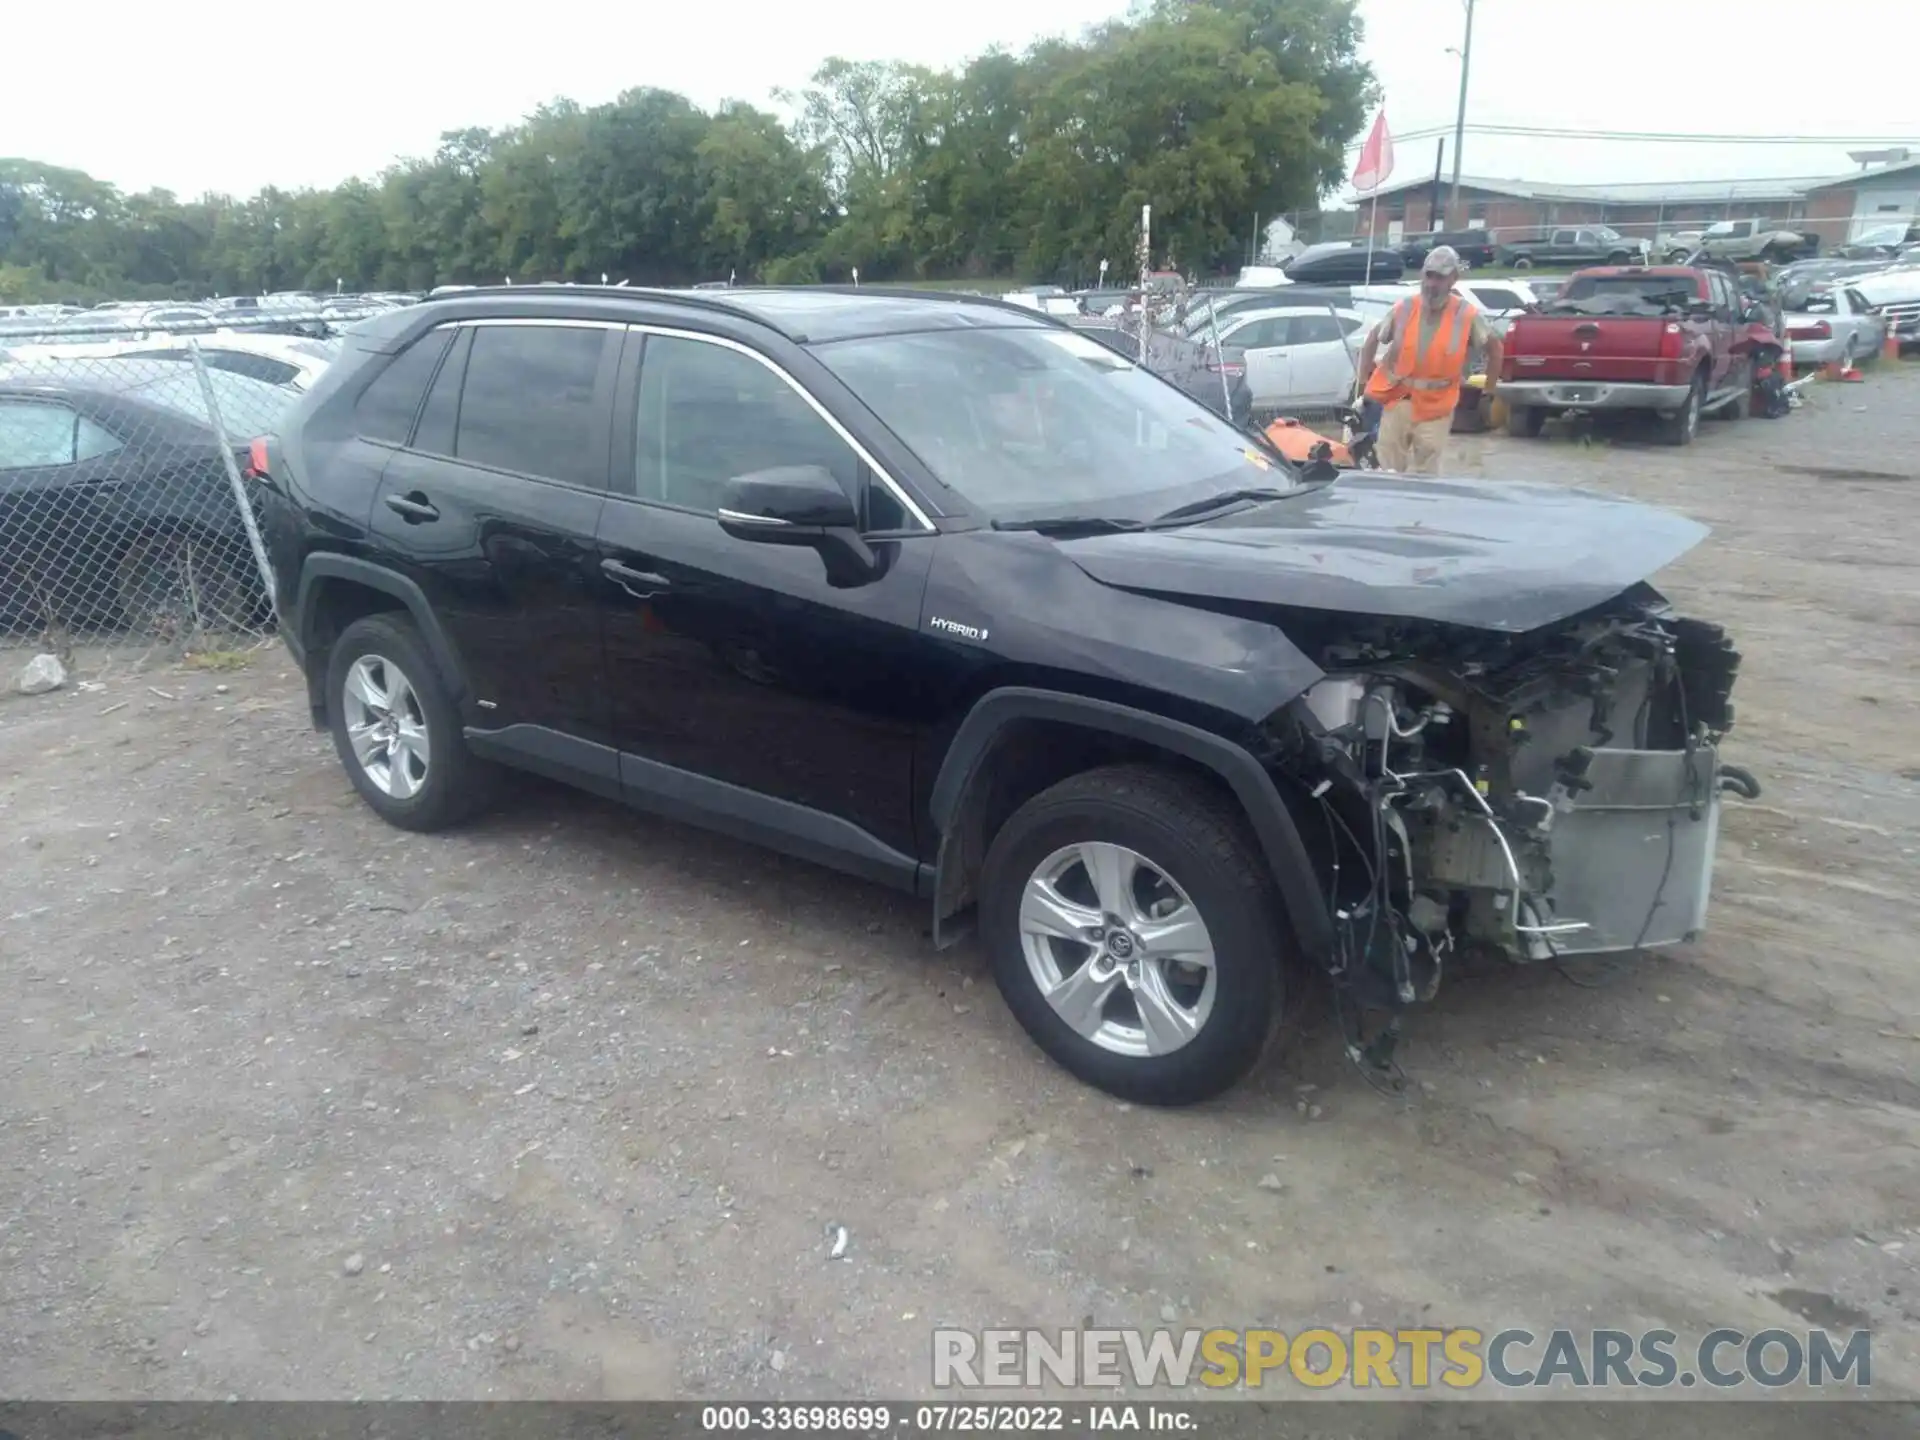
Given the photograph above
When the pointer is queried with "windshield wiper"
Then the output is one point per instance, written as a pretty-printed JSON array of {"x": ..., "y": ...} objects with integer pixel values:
[
  {"x": 1070, "y": 525},
  {"x": 1221, "y": 501}
]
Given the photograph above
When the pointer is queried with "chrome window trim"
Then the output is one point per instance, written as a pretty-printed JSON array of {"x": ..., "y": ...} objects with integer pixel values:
[
  {"x": 740, "y": 517},
  {"x": 879, "y": 473},
  {"x": 542, "y": 321}
]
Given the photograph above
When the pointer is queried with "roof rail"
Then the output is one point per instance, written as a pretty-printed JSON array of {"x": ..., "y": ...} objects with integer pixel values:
[
  {"x": 716, "y": 300},
  {"x": 703, "y": 299}
]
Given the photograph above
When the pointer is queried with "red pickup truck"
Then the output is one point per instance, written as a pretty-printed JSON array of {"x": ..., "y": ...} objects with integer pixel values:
[{"x": 1665, "y": 338}]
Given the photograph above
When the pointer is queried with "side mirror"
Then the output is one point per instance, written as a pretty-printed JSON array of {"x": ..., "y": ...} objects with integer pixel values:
[{"x": 800, "y": 505}]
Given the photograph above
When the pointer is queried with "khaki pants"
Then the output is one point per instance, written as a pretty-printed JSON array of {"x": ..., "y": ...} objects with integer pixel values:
[{"x": 1410, "y": 448}]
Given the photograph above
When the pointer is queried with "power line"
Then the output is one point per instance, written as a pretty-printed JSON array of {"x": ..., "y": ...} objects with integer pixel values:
[{"x": 1652, "y": 137}]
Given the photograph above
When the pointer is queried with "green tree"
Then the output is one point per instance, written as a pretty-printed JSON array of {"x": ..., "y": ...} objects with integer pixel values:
[{"x": 1212, "y": 111}]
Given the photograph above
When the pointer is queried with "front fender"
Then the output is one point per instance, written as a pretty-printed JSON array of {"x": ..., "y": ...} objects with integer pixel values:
[{"x": 1273, "y": 825}]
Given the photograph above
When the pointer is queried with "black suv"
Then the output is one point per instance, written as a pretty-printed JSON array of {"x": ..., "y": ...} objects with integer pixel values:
[{"x": 938, "y": 591}]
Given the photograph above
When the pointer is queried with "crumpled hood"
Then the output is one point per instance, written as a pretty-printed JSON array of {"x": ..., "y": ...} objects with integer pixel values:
[{"x": 1493, "y": 555}]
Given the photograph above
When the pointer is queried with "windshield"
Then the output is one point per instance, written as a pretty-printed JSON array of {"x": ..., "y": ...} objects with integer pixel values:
[
  {"x": 1035, "y": 423},
  {"x": 1606, "y": 232}
]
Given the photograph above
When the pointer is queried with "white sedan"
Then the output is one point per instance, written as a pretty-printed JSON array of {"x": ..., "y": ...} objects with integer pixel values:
[
  {"x": 289, "y": 361},
  {"x": 1297, "y": 356},
  {"x": 1834, "y": 325}
]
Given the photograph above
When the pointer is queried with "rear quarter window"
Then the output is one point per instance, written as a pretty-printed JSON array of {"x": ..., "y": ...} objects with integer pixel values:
[{"x": 387, "y": 406}]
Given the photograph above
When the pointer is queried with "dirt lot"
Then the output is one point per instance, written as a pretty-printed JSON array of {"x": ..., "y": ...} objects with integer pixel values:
[{"x": 564, "y": 1105}]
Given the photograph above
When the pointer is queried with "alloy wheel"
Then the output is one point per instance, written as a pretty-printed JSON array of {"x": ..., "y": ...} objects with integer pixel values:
[
  {"x": 387, "y": 726},
  {"x": 1118, "y": 949}
]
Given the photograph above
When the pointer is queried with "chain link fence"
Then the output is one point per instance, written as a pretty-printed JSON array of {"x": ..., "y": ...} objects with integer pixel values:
[{"x": 125, "y": 518}]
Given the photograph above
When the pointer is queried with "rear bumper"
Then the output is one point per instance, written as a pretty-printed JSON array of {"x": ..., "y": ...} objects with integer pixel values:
[
  {"x": 1592, "y": 394},
  {"x": 1819, "y": 352}
]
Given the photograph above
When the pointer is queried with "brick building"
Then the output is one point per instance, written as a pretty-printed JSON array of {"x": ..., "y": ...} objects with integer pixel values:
[{"x": 1836, "y": 208}]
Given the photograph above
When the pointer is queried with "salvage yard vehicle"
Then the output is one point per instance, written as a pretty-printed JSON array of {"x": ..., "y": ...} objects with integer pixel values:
[
  {"x": 1666, "y": 339},
  {"x": 1754, "y": 239},
  {"x": 1297, "y": 356},
  {"x": 1573, "y": 245},
  {"x": 115, "y": 500},
  {"x": 1835, "y": 325},
  {"x": 1894, "y": 295},
  {"x": 976, "y": 607}
]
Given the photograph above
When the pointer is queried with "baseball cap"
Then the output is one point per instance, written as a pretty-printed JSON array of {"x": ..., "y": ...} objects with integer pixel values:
[{"x": 1442, "y": 260}]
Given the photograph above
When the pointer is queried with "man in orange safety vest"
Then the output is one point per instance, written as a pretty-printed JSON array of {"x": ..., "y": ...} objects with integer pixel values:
[{"x": 1427, "y": 341}]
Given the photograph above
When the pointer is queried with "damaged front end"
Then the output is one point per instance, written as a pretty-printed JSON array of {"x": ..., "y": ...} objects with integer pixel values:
[{"x": 1550, "y": 794}]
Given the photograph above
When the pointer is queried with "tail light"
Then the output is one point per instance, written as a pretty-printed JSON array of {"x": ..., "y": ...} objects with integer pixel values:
[
  {"x": 1673, "y": 342},
  {"x": 257, "y": 467},
  {"x": 1819, "y": 330}
]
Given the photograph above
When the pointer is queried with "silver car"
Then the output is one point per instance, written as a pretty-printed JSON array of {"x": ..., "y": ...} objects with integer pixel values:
[{"x": 1834, "y": 325}]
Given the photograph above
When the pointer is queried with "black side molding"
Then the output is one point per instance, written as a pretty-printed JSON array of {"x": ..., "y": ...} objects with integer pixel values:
[
  {"x": 792, "y": 829},
  {"x": 1272, "y": 822},
  {"x": 376, "y": 577}
]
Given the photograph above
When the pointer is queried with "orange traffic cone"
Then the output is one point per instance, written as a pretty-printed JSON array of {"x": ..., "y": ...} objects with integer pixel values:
[
  {"x": 1891, "y": 349},
  {"x": 1851, "y": 374}
]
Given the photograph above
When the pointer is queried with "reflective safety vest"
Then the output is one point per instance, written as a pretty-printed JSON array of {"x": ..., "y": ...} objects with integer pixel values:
[{"x": 1432, "y": 380}]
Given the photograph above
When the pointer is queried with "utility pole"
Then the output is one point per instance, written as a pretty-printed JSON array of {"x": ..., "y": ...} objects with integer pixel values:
[{"x": 1460, "y": 120}]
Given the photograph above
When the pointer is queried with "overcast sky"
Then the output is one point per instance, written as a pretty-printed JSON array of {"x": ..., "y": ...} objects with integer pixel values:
[{"x": 212, "y": 94}]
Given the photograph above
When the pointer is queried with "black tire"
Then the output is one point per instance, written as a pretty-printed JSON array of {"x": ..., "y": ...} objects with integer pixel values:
[
  {"x": 1619, "y": 257},
  {"x": 1680, "y": 427},
  {"x": 1197, "y": 838},
  {"x": 1523, "y": 262},
  {"x": 1677, "y": 257},
  {"x": 455, "y": 783},
  {"x": 1525, "y": 420},
  {"x": 178, "y": 584}
]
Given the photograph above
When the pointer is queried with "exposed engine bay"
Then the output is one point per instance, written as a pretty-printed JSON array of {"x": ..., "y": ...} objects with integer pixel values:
[{"x": 1541, "y": 795}]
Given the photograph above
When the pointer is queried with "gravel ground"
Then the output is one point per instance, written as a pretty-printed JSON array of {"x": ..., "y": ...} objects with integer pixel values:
[{"x": 566, "y": 1104}]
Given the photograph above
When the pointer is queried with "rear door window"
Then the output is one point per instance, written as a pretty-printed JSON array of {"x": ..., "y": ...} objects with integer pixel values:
[
  {"x": 1315, "y": 329},
  {"x": 1267, "y": 334},
  {"x": 434, "y": 433},
  {"x": 537, "y": 401},
  {"x": 387, "y": 406},
  {"x": 34, "y": 434}
]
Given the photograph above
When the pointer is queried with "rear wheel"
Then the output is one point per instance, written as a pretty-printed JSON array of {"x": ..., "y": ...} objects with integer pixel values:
[
  {"x": 396, "y": 730},
  {"x": 1134, "y": 932},
  {"x": 1680, "y": 427},
  {"x": 1525, "y": 420},
  {"x": 1677, "y": 257},
  {"x": 1523, "y": 262}
]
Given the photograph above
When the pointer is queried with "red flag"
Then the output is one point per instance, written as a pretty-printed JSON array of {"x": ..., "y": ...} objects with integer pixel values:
[{"x": 1376, "y": 157}]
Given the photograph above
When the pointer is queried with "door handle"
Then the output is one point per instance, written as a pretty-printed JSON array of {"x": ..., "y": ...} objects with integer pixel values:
[
  {"x": 411, "y": 509},
  {"x": 627, "y": 577}
]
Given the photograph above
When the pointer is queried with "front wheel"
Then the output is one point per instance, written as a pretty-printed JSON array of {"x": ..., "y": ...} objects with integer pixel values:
[
  {"x": 1619, "y": 257},
  {"x": 1134, "y": 931}
]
